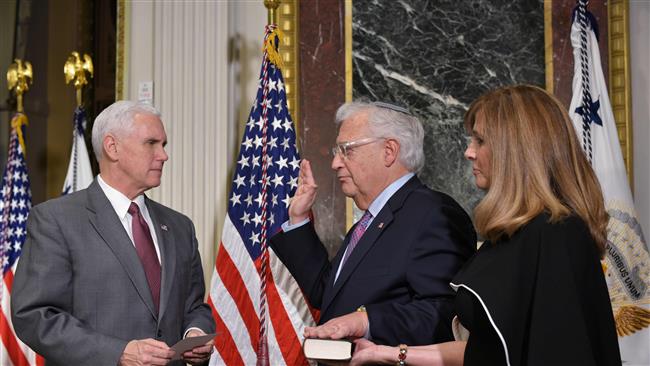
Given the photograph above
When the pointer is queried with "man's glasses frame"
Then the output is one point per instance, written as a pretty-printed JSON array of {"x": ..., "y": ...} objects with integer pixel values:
[{"x": 344, "y": 147}]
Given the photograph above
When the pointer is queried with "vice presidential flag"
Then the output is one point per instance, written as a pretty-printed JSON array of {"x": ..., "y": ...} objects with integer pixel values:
[
  {"x": 80, "y": 174},
  {"x": 258, "y": 307},
  {"x": 15, "y": 203},
  {"x": 627, "y": 263}
]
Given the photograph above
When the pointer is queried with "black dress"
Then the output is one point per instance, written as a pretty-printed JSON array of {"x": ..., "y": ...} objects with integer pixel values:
[{"x": 537, "y": 298}]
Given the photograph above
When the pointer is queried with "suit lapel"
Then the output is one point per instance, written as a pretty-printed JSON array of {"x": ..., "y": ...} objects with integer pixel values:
[
  {"x": 105, "y": 221},
  {"x": 335, "y": 263},
  {"x": 167, "y": 252},
  {"x": 370, "y": 237}
]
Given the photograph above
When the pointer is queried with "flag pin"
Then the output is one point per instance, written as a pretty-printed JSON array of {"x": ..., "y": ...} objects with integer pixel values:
[
  {"x": 381, "y": 225},
  {"x": 164, "y": 227}
]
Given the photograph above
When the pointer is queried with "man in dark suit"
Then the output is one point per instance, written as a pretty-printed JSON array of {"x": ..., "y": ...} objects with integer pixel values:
[
  {"x": 389, "y": 282},
  {"x": 107, "y": 276}
]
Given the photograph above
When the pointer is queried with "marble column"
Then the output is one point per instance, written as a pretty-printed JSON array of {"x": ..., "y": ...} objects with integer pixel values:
[
  {"x": 435, "y": 57},
  {"x": 322, "y": 86}
]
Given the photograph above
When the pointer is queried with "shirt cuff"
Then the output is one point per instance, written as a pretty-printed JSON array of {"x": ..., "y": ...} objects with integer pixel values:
[
  {"x": 286, "y": 226},
  {"x": 192, "y": 328}
]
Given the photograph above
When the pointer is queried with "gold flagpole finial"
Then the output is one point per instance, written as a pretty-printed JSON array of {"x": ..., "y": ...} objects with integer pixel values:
[
  {"x": 272, "y": 6},
  {"x": 19, "y": 78},
  {"x": 75, "y": 69}
]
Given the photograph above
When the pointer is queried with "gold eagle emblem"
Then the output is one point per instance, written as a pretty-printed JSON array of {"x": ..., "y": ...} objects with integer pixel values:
[
  {"x": 75, "y": 69},
  {"x": 630, "y": 319},
  {"x": 19, "y": 76}
]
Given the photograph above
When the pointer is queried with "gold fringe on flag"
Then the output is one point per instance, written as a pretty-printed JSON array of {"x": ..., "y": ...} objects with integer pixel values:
[
  {"x": 17, "y": 122},
  {"x": 271, "y": 48}
]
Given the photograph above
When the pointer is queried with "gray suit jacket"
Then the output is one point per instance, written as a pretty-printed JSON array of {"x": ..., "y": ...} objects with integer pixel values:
[{"x": 80, "y": 293}]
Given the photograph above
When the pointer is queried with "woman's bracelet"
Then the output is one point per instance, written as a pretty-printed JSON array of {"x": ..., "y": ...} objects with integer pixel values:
[{"x": 401, "y": 357}]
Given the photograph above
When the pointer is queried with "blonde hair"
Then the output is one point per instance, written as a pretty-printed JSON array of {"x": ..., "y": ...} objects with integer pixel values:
[{"x": 537, "y": 164}]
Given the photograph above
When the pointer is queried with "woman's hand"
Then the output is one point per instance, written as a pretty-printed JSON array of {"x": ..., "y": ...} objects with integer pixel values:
[{"x": 366, "y": 352}]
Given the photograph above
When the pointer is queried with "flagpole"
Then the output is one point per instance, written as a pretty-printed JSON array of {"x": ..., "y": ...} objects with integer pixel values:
[
  {"x": 270, "y": 56},
  {"x": 272, "y": 6}
]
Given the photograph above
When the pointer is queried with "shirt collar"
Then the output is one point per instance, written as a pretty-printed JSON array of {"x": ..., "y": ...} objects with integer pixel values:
[
  {"x": 118, "y": 200},
  {"x": 387, "y": 193}
]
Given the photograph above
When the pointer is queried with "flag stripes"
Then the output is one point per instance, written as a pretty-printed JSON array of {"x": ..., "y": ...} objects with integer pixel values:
[
  {"x": 261, "y": 312},
  {"x": 15, "y": 204}
]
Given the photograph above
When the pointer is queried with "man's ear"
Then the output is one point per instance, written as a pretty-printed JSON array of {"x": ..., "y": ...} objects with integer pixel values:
[
  {"x": 110, "y": 147},
  {"x": 391, "y": 151}
]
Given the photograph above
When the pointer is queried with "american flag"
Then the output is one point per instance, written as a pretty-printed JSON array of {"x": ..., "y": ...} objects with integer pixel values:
[
  {"x": 15, "y": 203},
  {"x": 80, "y": 174},
  {"x": 627, "y": 262},
  {"x": 258, "y": 307}
]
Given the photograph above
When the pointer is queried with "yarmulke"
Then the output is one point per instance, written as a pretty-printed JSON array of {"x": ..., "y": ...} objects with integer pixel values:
[{"x": 393, "y": 107}]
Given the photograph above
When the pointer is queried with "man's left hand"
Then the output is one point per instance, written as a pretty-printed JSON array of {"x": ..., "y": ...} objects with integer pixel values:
[
  {"x": 200, "y": 354},
  {"x": 353, "y": 325}
]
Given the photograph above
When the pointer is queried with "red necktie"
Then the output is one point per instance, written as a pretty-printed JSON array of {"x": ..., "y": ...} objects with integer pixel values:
[{"x": 146, "y": 251}]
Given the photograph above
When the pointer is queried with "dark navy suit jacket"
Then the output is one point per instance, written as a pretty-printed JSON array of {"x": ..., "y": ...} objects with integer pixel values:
[{"x": 400, "y": 269}]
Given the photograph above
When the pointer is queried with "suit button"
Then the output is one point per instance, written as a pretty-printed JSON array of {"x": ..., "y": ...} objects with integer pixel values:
[{"x": 159, "y": 333}]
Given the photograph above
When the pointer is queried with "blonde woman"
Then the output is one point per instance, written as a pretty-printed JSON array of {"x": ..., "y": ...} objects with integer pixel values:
[{"x": 534, "y": 293}]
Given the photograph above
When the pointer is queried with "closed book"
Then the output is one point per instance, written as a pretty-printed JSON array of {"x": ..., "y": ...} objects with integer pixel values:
[{"x": 327, "y": 349}]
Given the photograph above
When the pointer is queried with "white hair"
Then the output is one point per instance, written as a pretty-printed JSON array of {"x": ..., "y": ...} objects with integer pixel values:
[
  {"x": 387, "y": 121},
  {"x": 118, "y": 119}
]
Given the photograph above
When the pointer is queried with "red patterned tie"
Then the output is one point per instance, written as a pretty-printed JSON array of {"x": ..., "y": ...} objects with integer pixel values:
[
  {"x": 356, "y": 235},
  {"x": 146, "y": 251}
]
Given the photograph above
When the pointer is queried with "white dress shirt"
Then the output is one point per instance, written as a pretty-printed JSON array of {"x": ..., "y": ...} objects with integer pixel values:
[{"x": 121, "y": 204}]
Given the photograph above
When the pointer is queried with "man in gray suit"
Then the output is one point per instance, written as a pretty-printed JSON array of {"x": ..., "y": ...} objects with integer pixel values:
[{"x": 108, "y": 276}]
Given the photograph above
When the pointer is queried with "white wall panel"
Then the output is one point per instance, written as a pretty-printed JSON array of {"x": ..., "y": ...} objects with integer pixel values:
[
  {"x": 182, "y": 46},
  {"x": 640, "y": 71}
]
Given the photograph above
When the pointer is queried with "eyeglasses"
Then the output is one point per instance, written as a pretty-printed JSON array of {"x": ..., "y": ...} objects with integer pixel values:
[{"x": 344, "y": 147}]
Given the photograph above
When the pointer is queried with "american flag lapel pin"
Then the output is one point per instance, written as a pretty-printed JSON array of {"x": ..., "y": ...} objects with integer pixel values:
[{"x": 163, "y": 227}]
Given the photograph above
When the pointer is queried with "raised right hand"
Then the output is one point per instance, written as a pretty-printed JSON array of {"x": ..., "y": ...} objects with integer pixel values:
[
  {"x": 305, "y": 196},
  {"x": 146, "y": 352}
]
